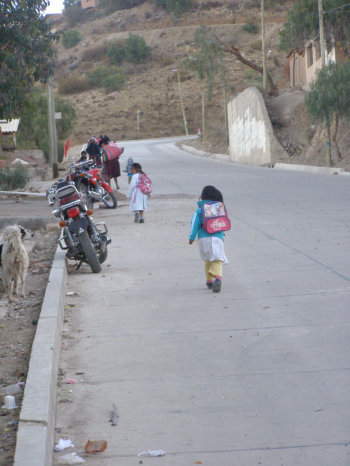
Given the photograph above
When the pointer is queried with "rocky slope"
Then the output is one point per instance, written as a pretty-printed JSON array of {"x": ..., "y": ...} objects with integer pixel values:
[{"x": 151, "y": 91}]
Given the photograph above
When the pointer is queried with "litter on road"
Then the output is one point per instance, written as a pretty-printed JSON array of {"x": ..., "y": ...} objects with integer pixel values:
[
  {"x": 152, "y": 453},
  {"x": 63, "y": 444}
]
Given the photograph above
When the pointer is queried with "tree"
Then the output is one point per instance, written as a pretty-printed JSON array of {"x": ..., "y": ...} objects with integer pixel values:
[
  {"x": 303, "y": 24},
  {"x": 329, "y": 97},
  {"x": 34, "y": 116},
  {"x": 71, "y": 3},
  {"x": 25, "y": 51},
  {"x": 136, "y": 50},
  {"x": 206, "y": 62}
]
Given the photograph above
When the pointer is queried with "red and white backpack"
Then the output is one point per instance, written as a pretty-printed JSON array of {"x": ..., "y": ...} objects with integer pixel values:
[
  {"x": 215, "y": 217},
  {"x": 145, "y": 184}
]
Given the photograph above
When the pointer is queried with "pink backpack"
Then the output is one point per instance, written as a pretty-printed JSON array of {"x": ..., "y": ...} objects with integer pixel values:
[
  {"x": 145, "y": 184},
  {"x": 215, "y": 217}
]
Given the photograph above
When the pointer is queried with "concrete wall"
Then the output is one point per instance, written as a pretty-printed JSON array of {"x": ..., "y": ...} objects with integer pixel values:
[{"x": 251, "y": 137}]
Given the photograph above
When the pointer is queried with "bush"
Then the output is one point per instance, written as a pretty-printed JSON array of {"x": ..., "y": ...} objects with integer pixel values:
[
  {"x": 14, "y": 178},
  {"x": 73, "y": 15},
  {"x": 252, "y": 28},
  {"x": 136, "y": 50},
  {"x": 94, "y": 53},
  {"x": 113, "y": 81},
  {"x": 72, "y": 85},
  {"x": 175, "y": 6},
  {"x": 116, "y": 52},
  {"x": 110, "y": 6},
  {"x": 97, "y": 75},
  {"x": 70, "y": 38},
  {"x": 44, "y": 146}
]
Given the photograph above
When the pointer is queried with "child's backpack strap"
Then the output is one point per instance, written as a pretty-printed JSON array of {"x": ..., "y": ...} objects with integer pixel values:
[{"x": 215, "y": 217}]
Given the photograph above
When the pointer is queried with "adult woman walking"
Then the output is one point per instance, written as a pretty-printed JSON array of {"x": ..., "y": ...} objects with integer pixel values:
[{"x": 111, "y": 154}]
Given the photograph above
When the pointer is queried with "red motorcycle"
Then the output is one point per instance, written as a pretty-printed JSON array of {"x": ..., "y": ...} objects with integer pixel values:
[{"x": 88, "y": 180}]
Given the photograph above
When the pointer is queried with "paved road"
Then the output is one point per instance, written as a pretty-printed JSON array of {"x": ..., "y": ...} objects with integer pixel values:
[{"x": 258, "y": 374}]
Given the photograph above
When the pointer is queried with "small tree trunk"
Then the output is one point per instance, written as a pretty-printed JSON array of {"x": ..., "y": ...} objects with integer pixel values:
[
  {"x": 203, "y": 113},
  {"x": 273, "y": 90},
  {"x": 293, "y": 81},
  {"x": 334, "y": 137},
  {"x": 328, "y": 143}
]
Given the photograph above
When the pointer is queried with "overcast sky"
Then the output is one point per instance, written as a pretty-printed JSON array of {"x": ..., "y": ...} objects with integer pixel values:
[{"x": 56, "y": 6}]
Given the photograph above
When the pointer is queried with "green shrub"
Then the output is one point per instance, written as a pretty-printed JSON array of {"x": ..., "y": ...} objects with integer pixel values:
[
  {"x": 110, "y": 6},
  {"x": 72, "y": 84},
  {"x": 73, "y": 15},
  {"x": 97, "y": 75},
  {"x": 136, "y": 49},
  {"x": 70, "y": 38},
  {"x": 14, "y": 178},
  {"x": 175, "y": 6},
  {"x": 252, "y": 28},
  {"x": 113, "y": 81},
  {"x": 116, "y": 52}
]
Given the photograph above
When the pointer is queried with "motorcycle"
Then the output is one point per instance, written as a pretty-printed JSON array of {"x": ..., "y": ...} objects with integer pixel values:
[
  {"x": 88, "y": 180},
  {"x": 82, "y": 238}
]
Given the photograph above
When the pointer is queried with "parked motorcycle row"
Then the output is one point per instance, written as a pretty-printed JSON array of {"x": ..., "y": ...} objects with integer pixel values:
[{"x": 73, "y": 198}]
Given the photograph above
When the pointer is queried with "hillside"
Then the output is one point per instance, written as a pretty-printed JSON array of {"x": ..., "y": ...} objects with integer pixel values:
[{"x": 151, "y": 90}]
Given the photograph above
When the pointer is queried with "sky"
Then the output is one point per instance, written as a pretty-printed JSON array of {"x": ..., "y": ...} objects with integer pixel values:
[{"x": 56, "y": 6}]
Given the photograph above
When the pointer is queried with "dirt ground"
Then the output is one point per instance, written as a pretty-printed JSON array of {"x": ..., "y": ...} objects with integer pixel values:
[{"x": 18, "y": 320}]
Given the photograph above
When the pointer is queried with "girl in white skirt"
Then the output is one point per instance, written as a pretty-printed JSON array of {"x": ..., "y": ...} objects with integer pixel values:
[
  {"x": 211, "y": 245},
  {"x": 138, "y": 200}
]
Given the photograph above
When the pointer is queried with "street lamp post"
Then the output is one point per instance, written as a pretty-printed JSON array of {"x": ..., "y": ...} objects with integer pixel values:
[{"x": 181, "y": 100}]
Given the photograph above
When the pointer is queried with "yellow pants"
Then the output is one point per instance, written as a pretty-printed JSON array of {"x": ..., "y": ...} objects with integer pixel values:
[{"x": 213, "y": 269}]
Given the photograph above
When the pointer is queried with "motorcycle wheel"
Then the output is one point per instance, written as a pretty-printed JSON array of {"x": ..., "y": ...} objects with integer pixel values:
[
  {"x": 103, "y": 255},
  {"x": 110, "y": 200},
  {"x": 89, "y": 252},
  {"x": 85, "y": 191}
]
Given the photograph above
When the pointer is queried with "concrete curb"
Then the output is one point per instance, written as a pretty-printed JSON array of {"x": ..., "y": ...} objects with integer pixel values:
[
  {"x": 35, "y": 436},
  {"x": 310, "y": 168},
  {"x": 278, "y": 165},
  {"x": 194, "y": 151}
]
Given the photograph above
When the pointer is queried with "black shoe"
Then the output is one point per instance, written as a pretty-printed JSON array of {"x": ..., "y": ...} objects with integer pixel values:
[
  {"x": 142, "y": 220},
  {"x": 209, "y": 285},
  {"x": 217, "y": 285},
  {"x": 137, "y": 217}
]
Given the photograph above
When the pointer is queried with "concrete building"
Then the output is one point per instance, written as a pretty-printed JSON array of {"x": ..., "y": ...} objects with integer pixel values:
[
  {"x": 89, "y": 3},
  {"x": 8, "y": 131},
  {"x": 304, "y": 62}
]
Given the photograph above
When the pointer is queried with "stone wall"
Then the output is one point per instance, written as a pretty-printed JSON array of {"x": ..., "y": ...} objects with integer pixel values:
[{"x": 251, "y": 137}]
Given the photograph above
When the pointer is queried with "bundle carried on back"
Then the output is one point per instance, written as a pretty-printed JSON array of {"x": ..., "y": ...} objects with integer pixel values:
[{"x": 111, "y": 151}]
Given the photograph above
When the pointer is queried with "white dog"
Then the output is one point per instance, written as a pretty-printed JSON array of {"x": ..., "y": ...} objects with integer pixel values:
[{"x": 14, "y": 260}]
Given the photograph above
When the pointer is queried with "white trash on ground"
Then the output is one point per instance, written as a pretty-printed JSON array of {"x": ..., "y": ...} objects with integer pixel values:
[
  {"x": 152, "y": 453},
  {"x": 63, "y": 444},
  {"x": 70, "y": 458}
]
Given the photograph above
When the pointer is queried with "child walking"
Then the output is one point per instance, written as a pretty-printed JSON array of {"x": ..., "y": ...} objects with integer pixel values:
[
  {"x": 128, "y": 166},
  {"x": 211, "y": 245},
  {"x": 138, "y": 200}
]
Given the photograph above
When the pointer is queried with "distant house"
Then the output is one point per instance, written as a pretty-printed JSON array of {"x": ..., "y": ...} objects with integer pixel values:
[
  {"x": 89, "y": 3},
  {"x": 304, "y": 62},
  {"x": 8, "y": 130}
]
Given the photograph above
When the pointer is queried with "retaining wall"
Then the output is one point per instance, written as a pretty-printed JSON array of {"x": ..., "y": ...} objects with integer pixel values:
[{"x": 251, "y": 137}]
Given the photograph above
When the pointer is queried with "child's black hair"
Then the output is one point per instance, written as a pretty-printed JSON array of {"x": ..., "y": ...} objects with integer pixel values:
[
  {"x": 210, "y": 193},
  {"x": 137, "y": 167}
]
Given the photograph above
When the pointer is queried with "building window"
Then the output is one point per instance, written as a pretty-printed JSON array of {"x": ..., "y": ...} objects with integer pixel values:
[{"x": 310, "y": 58}]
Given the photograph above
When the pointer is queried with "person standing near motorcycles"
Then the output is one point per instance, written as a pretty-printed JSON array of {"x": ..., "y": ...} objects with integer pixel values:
[
  {"x": 93, "y": 150},
  {"x": 111, "y": 166}
]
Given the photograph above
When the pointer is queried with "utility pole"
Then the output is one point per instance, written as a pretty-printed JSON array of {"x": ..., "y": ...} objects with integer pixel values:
[
  {"x": 323, "y": 57},
  {"x": 263, "y": 45},
  {"x": 52, "y": 129},
  {"x": 181, "y": 100}
]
